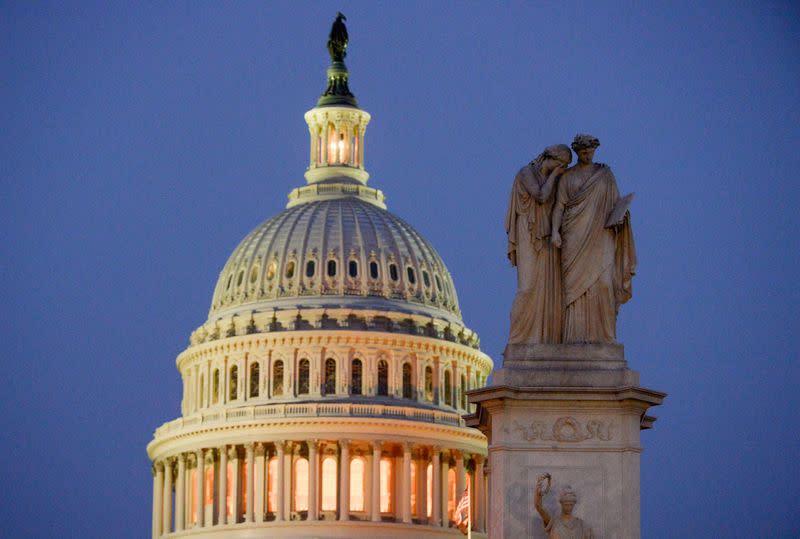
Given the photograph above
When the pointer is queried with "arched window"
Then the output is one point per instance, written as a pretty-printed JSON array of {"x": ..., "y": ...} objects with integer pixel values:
[
  {"x": 301, "y": 485},
  {"x": 254, "y": 375},
  {"x": 426, "y": 279},
  {"x": 412, "y": 278},
  {"x": 373, "y": 269},
  {"x": 329, "y": 487},
  {"x": 408, "y": 389},
  {"x": 311, "y": 268},
  {"x": 331, "y": 268},
  {"x": 438, "y": 282},
  {"x": 429, "y": 384},
  {"x": 254, "y": 274},
  {"x": 448, "y": 389},
  {"x": 200, "y": 400},
  {"x": 357, "y": 478},
  {"x": 272, "y": 484},
  {"x": 240, "y": 278},
  {"x": 233, "y": 383},
  {"x": 215, "y": 387},
  {"x": 277, "y": 378},
  {"x": 290, "y": 269},
  {"x": 330, "y": 377},
  {"x": 463, "y": 392},
  {"x": 429, "y": 489},
  {"x": 383, "y": 378},
  {"x": 230, "y": 281},
  {"x": 451, "y": 493},
  {"x": 393, "y": 272},
  {"x": 356, "y": 379},
  {"x": 302, "y": 377},
  {"x": 387, "y": 483},
  {"x": 352, "y": 268},
  {"x": 271, "y": 270}
]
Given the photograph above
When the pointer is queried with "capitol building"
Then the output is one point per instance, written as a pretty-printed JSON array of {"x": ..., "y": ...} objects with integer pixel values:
[{"x": 324, "y": 395}]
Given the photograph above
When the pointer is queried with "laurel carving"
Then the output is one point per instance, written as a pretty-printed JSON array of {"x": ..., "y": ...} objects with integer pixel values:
[{"x": 565, "y": 429}]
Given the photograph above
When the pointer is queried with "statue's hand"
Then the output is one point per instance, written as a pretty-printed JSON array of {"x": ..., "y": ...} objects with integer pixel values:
[{"x": 555, "y": 239}]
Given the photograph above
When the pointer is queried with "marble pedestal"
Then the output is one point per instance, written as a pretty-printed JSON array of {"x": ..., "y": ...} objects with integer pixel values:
[{"x": 575, "y": 412}]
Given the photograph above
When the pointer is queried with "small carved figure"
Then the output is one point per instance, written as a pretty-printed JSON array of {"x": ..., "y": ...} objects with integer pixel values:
[
  {"x": 536, "y": 312},
  {"x": 337, "y": 40},
  {"x": 591, "y": 224},
  {"x": 565, "y": 526}
]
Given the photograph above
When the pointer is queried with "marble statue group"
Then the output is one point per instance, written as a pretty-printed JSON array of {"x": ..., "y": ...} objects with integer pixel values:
[{"x": 569, "y": 235}]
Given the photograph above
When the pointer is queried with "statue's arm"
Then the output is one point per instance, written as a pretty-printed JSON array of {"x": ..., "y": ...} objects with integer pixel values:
[
  {"x": 547, "y": 188},
  {"x": 558, "y": 213},
  {"x": 537, "y": 504}
]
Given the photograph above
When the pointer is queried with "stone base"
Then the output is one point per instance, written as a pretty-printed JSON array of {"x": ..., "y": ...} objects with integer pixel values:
[
  {"x": 575, "y": 412},
  {"x": 565, "y": 365}
]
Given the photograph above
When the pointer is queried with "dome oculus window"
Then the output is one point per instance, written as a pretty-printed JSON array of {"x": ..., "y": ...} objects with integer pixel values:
[
  {"x": 331, "y": 268},
  {"x": 311, "y": 268},
  {"x": 230, "y": 282},
  {"x": 426, "y": 279},
  {"x": 240, "y": 278},
  {"x": 254, "y": 274},
  {"x": 352, "y": 268},
  {"x": 271, "y": 271},
  {"x": 438, "y": 282},
  {"x": 412, "y": 277},
  {"x": 393, "y": 274},
  {"x": 373, "y": 269},
  {"x": 290, "y": 269}
]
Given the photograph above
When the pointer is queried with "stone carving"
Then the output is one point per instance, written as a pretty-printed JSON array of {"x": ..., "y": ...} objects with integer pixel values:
[
  {"x": 565, "y": 526},
  {"x": 565, "y": 429},
  {"x": 598, "y": 258},
  {"x": 536, "y": 312}
]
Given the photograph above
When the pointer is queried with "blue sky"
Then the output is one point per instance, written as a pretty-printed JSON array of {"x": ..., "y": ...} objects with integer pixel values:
[{"x": 142, "y": 141}]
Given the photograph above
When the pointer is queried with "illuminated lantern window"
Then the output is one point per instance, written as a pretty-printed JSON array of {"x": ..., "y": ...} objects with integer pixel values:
[
  {"x": 301, "y": 485},
  {"x": 386, "y": 485},
  {"x": 329, "y": 484}
]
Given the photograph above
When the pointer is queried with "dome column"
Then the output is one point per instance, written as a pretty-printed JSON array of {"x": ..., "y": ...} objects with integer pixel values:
[
  {"x": 375, "y": 508},
  {"x": 436, "y": 479},
  {"x": 444, "y": 490},
  {"x": 222, "y": 497},
  {"x": 405, "y": 496},
  {"x": 158, "y": 485},
  {"x": 250, "y": 486},
  {"x": 180, "y": 494},
  {"x": 260, "y": 483},
  {"x": 166, "y": 514},
  {"x": 344, "y": 480},
  {"x": 200, "y": 492},
  {"x": 279, "y": 481},
  {"x": 313, "y": 469}
]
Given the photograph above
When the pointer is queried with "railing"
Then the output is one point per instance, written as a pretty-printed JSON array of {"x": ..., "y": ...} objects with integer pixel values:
[{"x": 315, "y": 409}]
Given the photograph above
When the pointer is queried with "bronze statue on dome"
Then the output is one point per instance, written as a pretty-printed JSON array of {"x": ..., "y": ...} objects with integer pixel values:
[{"x": 337, "y": 40}]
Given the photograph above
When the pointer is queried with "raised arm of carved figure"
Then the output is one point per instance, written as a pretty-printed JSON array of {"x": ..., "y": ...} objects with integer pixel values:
[{"x": 537, "y": 498}]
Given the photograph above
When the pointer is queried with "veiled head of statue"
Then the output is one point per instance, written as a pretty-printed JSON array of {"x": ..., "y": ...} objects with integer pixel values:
[
  {"x": 583, "y": 141},
  {"x": 559, "y": 152}
]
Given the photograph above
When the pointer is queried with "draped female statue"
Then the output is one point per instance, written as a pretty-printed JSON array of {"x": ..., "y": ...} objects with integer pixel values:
[
  {"x": 536, "y": 313},
  {"x": 591, "y": 224}
]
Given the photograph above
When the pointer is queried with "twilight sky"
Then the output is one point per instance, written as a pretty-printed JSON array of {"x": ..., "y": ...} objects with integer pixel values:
[{"x": 140, "y": 142}]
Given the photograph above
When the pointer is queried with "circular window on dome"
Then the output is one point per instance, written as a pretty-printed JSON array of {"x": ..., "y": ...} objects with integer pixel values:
[
  {"x": 271, "y": 270},
  {"x": 290, "y": 269},
  {"x": 393, "y": 273},
  {"x": 373, "y": 269},
  {"x": 254, "y": 274},
  {"x": 412, "y": 277},
  {"x": 311, "y": 268}
]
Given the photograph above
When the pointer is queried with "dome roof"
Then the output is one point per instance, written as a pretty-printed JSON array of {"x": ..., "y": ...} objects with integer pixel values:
[{"x": 342, "y": 252}]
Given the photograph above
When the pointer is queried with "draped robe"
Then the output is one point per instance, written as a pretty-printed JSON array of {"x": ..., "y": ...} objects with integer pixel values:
[
  {"x": 574, "y": 529},
  {"x": 536, "y": 312},
  {"x": 598, "y": 263}
]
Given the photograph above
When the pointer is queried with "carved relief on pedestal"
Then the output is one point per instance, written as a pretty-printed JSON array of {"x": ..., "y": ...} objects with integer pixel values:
[{"x": 564, "y": 429}]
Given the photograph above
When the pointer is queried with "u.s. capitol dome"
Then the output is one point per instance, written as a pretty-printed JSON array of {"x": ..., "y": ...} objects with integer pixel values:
[{"x": 323, "y": 395}]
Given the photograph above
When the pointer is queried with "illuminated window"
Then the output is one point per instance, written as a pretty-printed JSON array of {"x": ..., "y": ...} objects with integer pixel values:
[
  {"x": 448, "y": 389},
  {"x": 329, "y": 487},
  {"x": 355, "y": 382},
  {"x": 412, "y": 278},
  {"x": 429, "y": 489},
  {"x": 271, "y": 270},
  {"x": 311, "y": 268},
  {"x": 272, "y": 484},
  {"x": 373, "y": 269},
  {"x": 429, "y": 384},
  {"x": 451, "y": 493},
  {"x": 209, "y": 485},
  {"x": 290, "y": 269},
  {"x": 393, "y": 272},
  {"x": 414, "y": 489},
  {"x": 330, "y": 377},
  {"x": 229, "y": 488},
  {"x": 233, "y": 383},
  {"x": 357, "y": 477},
  {"x": 254, "y": 274},
  {"x": 302, "y": 377},
  {"x": 277, "y": 378},
  {"x": 254, "y": 375},
  {"x": 383, "y": 378},
  {"x": 386, "y": 485},
  {"x": 408, "y": 389},
  {"x": 352, "y": 268},
  {"x": 301, "y": 485},
  {"x": 331, "y": 268},
  {"x": 215, "y": 388}
]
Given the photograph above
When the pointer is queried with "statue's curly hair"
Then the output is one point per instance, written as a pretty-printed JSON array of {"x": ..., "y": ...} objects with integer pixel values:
[{"x": 583, "y": 140}]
